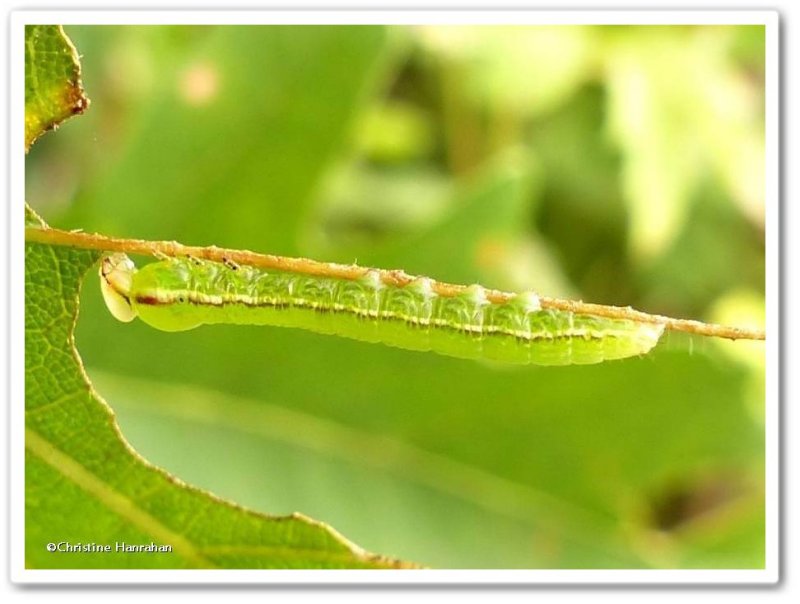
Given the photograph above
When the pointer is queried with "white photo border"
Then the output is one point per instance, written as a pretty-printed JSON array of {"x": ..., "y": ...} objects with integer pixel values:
[{"x": 19, "y": 574}]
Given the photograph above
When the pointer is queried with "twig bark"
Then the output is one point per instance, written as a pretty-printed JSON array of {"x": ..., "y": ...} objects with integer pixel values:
[{"x": 397, "y": 278}]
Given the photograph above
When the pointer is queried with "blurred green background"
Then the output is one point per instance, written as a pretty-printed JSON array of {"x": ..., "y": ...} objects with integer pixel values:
[{"x": 620, "y": 165}]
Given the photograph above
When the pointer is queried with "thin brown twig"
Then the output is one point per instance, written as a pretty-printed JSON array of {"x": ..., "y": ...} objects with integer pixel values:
[{"x": 396, "y": 278}]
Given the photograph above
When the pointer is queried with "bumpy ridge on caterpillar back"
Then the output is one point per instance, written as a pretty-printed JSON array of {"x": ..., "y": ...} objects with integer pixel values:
[{"x": 179, "y": 294}]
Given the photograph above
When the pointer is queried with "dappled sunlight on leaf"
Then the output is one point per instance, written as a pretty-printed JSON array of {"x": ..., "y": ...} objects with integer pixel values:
[
  {"x": 527, "y": 69},
  {"x": 677, "y": 111}
]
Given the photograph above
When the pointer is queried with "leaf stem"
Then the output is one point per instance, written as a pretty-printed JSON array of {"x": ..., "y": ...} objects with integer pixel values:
[{"x": 397, "y": 278}]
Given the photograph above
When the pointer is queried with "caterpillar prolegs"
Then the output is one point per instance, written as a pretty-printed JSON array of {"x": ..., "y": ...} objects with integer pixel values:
[{"x": 182, "y": 293}]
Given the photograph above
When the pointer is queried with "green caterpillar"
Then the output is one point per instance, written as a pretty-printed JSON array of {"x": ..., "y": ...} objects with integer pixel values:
[{"x": 182, "y": 293}]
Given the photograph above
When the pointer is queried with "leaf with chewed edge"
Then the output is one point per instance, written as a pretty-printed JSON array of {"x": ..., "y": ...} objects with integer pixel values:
[
  {"x": 53, "y": 89},
  {"x": 86, "y": 485}
]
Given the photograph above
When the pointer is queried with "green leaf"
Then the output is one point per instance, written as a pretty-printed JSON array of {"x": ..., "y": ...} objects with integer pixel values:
[
  {"x": 53, "y": 90},
  {"x": 85, "y": 484}
]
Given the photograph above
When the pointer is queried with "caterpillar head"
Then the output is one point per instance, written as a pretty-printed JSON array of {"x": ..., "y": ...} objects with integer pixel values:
[{"x": 116, "y": 282}]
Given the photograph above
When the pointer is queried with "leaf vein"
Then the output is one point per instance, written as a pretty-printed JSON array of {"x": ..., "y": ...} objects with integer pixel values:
[{"x": 72, "y": 470}]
